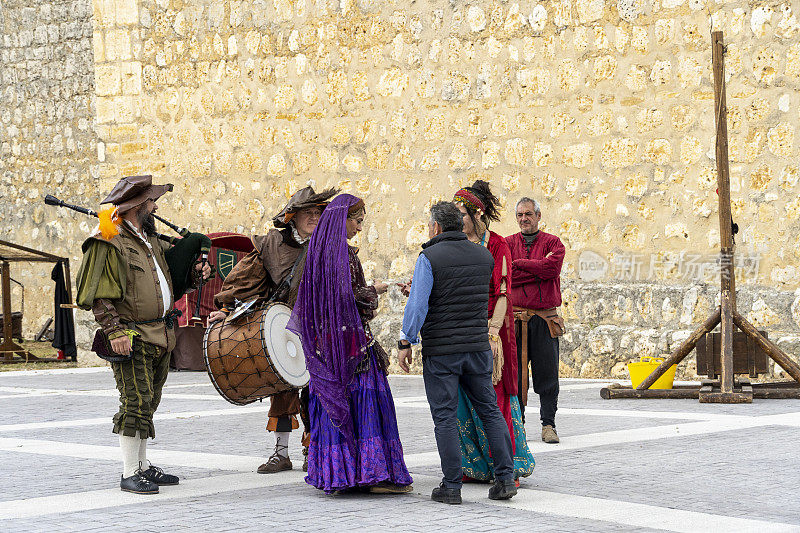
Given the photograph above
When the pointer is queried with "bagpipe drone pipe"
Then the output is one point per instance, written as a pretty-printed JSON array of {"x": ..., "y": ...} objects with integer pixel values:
[{"x": 181, "y": 256}]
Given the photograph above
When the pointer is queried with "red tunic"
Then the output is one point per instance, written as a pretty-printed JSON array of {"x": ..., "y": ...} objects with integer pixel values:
[
  {"x": 499, "y": 249},
  {"x": 507, "y": 386},
  {"x": 537, "y": 279}
]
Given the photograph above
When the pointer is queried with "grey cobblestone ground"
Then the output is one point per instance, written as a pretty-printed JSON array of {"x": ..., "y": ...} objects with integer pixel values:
[
  {"x": 309, "y": 512},
  {"x": 663, "y": 459},
  {"x": 66, "y": 475}
]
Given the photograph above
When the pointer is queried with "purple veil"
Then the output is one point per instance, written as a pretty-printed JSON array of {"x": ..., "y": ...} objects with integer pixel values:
[{"x": 325, "y": 315}]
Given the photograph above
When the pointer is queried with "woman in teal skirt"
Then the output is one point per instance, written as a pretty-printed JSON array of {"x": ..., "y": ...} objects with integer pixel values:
[{"x": 479, "y": 207}]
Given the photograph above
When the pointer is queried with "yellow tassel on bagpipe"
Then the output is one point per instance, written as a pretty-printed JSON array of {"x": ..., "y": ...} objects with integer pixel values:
[{"x": 109, "y": 223}]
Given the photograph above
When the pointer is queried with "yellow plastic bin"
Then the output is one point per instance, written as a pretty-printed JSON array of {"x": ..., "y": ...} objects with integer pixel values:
[{"x": 639, "y": 372}]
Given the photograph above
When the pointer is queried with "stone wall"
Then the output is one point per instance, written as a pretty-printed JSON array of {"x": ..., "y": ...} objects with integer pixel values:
[
  {"x": 47, "y": 136},
  {"x": 603, "y": 111}
]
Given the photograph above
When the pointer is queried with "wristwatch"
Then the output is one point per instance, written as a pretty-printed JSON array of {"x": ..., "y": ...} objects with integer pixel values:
[{"x": 402, "y": 345}]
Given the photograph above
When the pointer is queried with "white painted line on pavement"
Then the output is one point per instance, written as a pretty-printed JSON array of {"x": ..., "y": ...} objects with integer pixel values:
[
  {"x": 108, "y": 498},
  {"x": 190, "y": 385},
  {"x": 607, "y": 510},
  {"x": 30, "y": 391},
  {"x": 213, "y": 461},
  {"x": 582, "y": 386},
  {"x": 623, "y": 436},
  {"x": 27, "y": 392},
  {"x": 24, "y": 392},
  {"x": 631, "y": 413},
  {"x": 626, "y": 436},
  {"x": 421, "y": 402},
  {"x": 55, "y": 371},
  {"x": 406, "y": 402},
  {"x": 208, "y": 461},
  {"x": 231, "y": 411},
  {"x": 786, "y": 419},
  {"x": 537, "y": 501}
]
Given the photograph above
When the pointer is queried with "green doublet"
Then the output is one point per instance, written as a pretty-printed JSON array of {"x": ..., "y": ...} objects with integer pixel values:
[{"x": 101, "y": 274}]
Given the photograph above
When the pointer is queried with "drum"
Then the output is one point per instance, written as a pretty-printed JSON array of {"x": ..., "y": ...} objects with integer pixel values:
[{"x": 254, "y": 356}]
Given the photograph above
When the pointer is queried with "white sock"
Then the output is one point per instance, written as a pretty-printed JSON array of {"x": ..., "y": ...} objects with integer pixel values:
[
  {"x": 282, "y": 442},
  {"x": 130, "y": 454},
  {"x": 144, "y": 464}
]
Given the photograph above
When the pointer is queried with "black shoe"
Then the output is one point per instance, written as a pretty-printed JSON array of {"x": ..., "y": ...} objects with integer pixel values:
[
  {"x": 503, "y": 490},
  {"x": 157, "y": 476},
  {"x": 442, "y": 494},
  {"x": 138, "y": 485}
]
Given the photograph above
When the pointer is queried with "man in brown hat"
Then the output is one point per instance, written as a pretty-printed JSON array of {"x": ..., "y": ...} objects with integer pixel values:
[
  {"x": 124, "y": 279},
  {"x": 272, "y": 271}
]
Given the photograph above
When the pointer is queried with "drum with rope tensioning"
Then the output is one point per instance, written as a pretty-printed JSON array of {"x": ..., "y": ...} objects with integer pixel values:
[{"x": 251, "y": 355}]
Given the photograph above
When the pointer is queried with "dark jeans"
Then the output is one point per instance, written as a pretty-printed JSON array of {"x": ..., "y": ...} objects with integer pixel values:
[
  {"x": 543, "y": 355},
  {"x": 473, "y": 371}
]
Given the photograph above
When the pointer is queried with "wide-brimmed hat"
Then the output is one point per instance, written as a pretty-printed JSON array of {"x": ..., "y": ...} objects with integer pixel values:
[
  {"x": 132, "y": 191},
  {"x": 305, "y": 197}
]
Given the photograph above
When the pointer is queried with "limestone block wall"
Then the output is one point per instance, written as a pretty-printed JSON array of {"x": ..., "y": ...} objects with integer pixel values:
[
  {"x": 47, "y": 136},
  {"x": 603, "y": 111}
]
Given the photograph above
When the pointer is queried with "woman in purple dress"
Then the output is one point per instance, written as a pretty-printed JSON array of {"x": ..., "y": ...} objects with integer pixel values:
[{"x": 354, "y": 437}]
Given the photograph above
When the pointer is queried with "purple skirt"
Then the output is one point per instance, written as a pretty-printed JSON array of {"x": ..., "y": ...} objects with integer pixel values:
[{"x": 378, "y": 456}]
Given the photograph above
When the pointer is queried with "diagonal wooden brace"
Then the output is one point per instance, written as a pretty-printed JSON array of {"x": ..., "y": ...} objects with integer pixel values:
[
  {"x": 682, "y": 351},
  {"x": 771, "y": 349}
]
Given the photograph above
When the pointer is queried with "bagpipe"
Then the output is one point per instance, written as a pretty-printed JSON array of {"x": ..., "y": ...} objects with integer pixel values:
[{"x": 181, "y": 257}]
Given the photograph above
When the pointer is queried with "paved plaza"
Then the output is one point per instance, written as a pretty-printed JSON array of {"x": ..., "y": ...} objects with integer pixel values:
[{"x": 622, "y": 465}]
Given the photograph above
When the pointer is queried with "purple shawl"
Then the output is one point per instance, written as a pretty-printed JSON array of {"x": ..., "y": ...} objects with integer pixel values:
[{"x": 326, "y": 318}]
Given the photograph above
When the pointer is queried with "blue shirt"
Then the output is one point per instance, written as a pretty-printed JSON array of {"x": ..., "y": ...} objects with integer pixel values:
[{"x": 417, "y": 305}]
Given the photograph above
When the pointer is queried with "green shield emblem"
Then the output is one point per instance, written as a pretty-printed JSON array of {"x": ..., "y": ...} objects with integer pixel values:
[{"x": 225, "y": 262}]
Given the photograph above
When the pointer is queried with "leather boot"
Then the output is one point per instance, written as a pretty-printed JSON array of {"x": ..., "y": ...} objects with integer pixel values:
[
  {"x": 549, "y": 435},
  {"x": 503, "y": 490},
  {"x": 442, "y": 494}
]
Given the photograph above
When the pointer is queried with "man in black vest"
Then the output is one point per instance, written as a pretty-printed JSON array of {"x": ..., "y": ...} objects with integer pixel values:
[{"x": 449, "y": 302}]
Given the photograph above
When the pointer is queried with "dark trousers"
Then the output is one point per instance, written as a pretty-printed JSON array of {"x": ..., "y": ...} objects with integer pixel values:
[
  {"x": 543, "y": 358},
  {"x": 473, "y": 371}
]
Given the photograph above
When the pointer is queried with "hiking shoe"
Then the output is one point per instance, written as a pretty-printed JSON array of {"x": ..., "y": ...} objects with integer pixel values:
[
  {"x": 275, "y": 464},
  {"x": 138, "y": 485},
  {"x": 442, "y": 494},
  {"x": 503, "y": 490},
  {"x": 549, "y": 435},
  {"x": 158, "y": 476}
]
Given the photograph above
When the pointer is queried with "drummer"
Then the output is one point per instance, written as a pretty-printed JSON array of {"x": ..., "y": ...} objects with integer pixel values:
[{"x": 272, "y": 272}]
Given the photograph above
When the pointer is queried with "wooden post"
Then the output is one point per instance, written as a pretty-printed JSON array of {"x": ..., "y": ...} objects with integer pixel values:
[
  {"x": 68, "y": 287},
  {"x": 725, "y": 229},
  {"x": 68, "y": 280},
  {"x": 9, "y": 347},
  {"x": 6, "y": 287}
]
